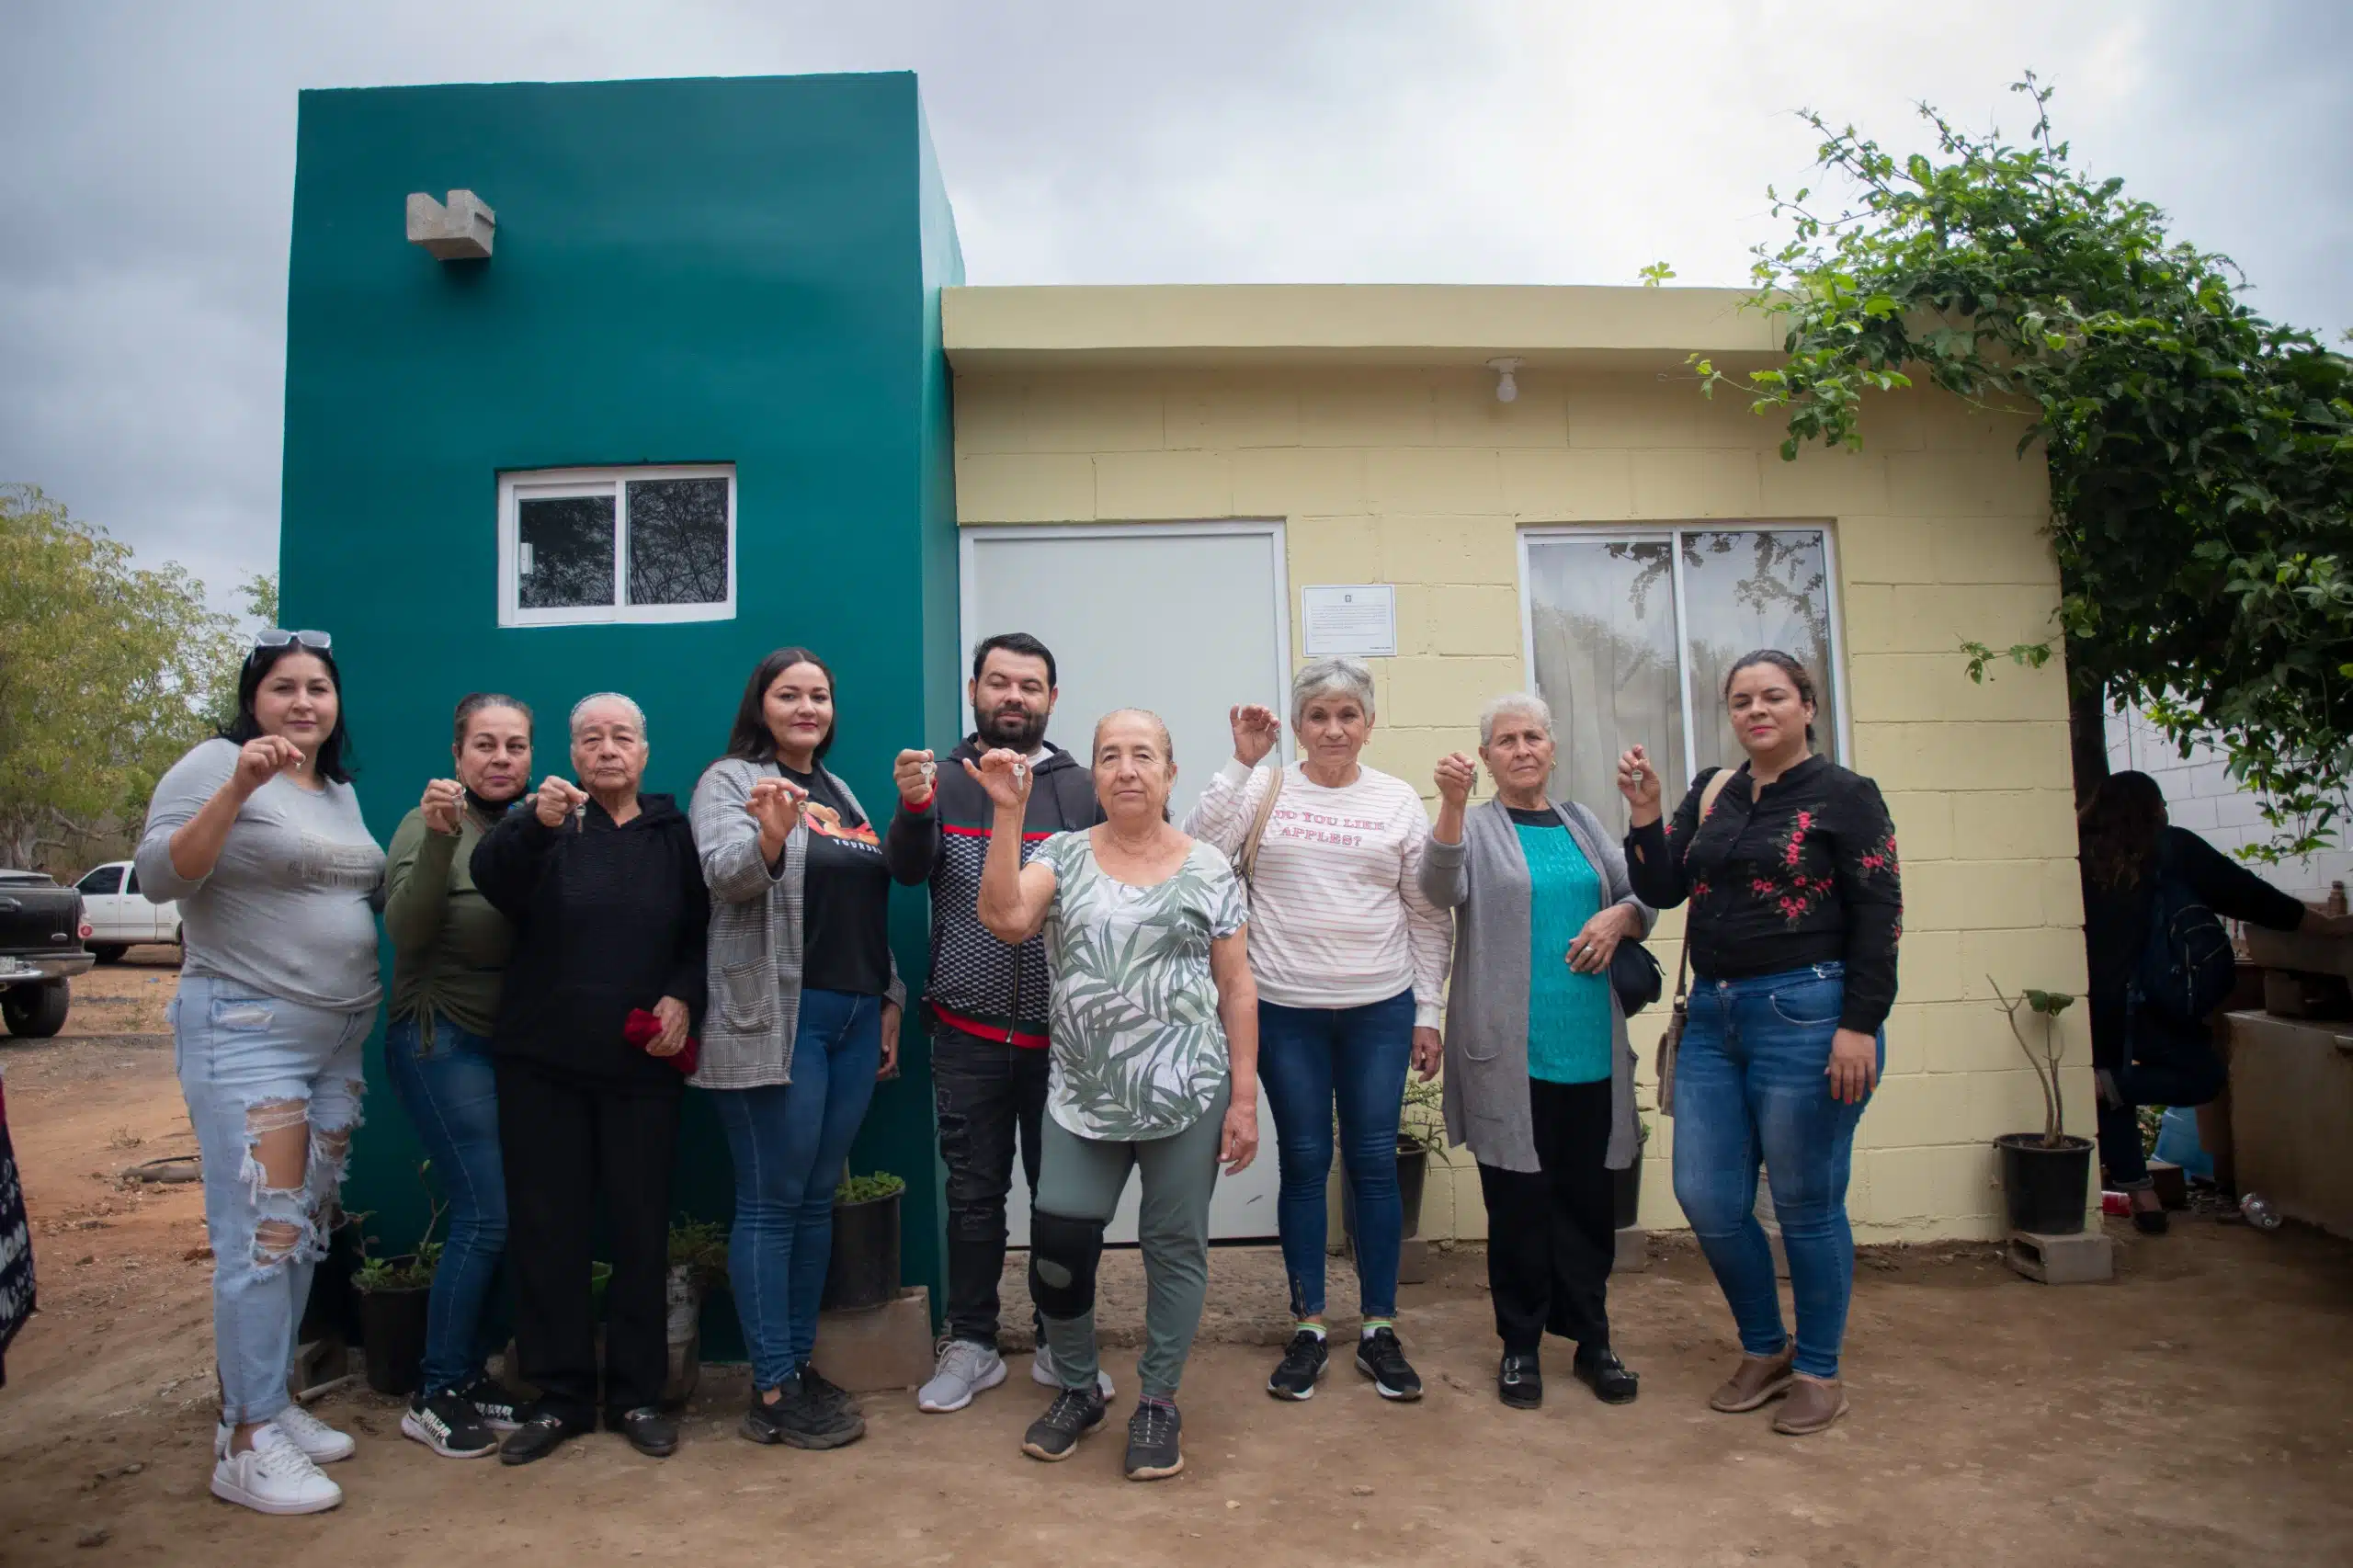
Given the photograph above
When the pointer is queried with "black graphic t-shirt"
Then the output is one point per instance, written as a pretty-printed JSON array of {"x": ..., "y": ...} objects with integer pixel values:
[{"x": 846, "y": 897}]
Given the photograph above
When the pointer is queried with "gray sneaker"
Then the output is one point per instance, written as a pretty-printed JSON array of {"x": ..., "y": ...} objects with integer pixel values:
[
  {"x": 1041, "y": 1372},
  {"x": 966, "y": 1368}
]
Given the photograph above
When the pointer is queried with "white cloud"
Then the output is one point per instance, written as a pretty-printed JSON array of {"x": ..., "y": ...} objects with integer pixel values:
[{"x": 149, "y": 162}]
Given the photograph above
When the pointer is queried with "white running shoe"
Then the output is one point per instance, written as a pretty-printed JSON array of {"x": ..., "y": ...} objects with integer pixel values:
[
  {"x": 1041, "y": 1372},
  {"x": 966, "y": 1368},
  {"x": 314, "y": 1436},
  {"x": 274, "y": 1476}
]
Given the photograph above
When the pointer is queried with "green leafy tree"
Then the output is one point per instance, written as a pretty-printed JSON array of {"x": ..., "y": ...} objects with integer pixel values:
[
  {"x": 109, "y": 671},
  {"x": 2201, "y": 455}
]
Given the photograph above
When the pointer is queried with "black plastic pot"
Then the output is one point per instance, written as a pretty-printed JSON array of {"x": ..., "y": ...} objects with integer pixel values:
[
  {"x": 391, "y": 1326},
  {"x": 1413, "y": 1178},
  {"x": 1627, "y": 1193},
  {"x": 2043, "y": 1187},
  {"x": 864, "y": 1269}
]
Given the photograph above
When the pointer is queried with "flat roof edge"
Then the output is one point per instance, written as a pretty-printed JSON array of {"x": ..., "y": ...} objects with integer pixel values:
[{"x": 1229, "y": 323}]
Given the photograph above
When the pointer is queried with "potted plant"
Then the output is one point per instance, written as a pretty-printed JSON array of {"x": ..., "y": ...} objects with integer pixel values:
[
  {"x": 1421, "y": 1137},
  {"x": 1628, "y": 1183},
  {"x": 392, "y": 1294},
  {"x": 698, "y": 1261},
  {"x": 2045, "y": 1175},
  {"x": 864, "y": 1270}
]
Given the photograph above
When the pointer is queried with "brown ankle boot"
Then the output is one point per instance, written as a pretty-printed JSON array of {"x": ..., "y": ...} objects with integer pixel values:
[
  {"x": 1814, "y": 1403},
  {"x": 1754, "y": 1381}
]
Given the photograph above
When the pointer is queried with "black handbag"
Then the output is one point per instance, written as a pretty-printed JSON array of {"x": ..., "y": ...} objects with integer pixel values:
[{"x": 1634, "y": 975}]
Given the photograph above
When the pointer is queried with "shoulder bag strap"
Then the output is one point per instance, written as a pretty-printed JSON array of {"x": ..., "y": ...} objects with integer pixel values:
[
  {"x": 1671, "y": 1039},
  {"x": 1246, "y": 863}
]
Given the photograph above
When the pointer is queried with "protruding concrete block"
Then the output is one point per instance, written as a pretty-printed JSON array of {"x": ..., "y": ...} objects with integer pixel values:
[
  {"x": 1633, "y": 1250},
  {"x": 2083, "y": 1259},
  {"x": 460, "y": 230},
  {"x": 1413, "y": 1261},
  {"x": 887, "y": 1346}
]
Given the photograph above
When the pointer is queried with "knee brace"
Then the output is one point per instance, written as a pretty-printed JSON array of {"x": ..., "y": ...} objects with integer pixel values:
[{"x": 1063, "y": 1257}]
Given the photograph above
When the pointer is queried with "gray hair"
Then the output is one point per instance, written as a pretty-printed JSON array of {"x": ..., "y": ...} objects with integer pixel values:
[
  {"x": 595, "y": 697},
  {"x": 1513, "y": 702},
  {"x": 1350, "y": 678}
]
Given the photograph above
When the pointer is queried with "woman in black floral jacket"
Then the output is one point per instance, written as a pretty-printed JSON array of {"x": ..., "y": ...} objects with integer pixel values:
[{"x": 1789, "y": 865}]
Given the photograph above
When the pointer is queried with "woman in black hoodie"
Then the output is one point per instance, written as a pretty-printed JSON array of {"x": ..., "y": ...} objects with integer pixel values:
[{"x": 606, "y": 895}]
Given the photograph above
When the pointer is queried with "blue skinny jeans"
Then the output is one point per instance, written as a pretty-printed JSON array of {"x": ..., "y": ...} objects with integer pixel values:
[
  {"x": 789, "y": 1142},
  {"x": 1310, "y": 1059},
  {"x": 1749, "y": 1087},
  {"x": 449, "y": 1090}
]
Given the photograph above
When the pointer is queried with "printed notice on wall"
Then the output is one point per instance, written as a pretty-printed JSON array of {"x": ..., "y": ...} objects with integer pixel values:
[{"x": 1349, "y": 618}]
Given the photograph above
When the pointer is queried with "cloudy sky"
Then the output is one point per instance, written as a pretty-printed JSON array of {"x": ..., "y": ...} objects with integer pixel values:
[{"x": 147, "y": 161}]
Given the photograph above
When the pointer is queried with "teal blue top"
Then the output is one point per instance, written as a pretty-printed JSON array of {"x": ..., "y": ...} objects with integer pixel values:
[{"x": 1569, "y": 1027}]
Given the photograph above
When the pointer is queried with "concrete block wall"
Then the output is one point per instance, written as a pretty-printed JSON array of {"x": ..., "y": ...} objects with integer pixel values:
[
  {"x": 1420, "y": 478},
  {"x": 2201, "y": 796}
]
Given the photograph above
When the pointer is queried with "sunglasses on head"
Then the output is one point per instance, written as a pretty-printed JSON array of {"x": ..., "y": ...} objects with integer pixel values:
[{"x": 278, "y": 637}]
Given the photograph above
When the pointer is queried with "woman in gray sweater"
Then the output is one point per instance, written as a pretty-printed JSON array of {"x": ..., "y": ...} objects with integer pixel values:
[{"x": 1539, "y": 1078}]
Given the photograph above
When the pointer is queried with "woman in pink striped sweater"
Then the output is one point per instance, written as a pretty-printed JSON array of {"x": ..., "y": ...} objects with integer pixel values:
[{"x": 1350, "y": 960}]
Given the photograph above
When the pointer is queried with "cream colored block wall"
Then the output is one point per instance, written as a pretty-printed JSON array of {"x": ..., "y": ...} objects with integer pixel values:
[{"x": 1419, "y": 478}]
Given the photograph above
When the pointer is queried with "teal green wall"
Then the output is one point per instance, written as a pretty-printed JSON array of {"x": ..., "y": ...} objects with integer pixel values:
[{"x": 730, "y": 270}]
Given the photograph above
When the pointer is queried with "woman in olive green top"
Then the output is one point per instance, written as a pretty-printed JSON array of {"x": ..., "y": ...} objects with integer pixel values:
[{"x": 449, "y": 949}]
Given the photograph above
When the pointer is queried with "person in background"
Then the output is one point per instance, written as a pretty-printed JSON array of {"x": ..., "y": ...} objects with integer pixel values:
[
  {"x": 1789, "y": 865},
  {"x": 2140, "y": 1055},
  {"x": 1155, "y": 1040},
  {"x": 606, "y": 896},
  {"x": 258, "y": 835},
  {"x": 987, "y": 1001},
  {"x": 1349, "y": 957},
  {"x": 449, "y": 949},
  {"x": 805, "y": 1009},
  {"x": 1539, "y": 1075}
]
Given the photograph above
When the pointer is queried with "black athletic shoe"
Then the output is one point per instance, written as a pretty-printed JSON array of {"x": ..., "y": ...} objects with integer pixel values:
[
  {"x": 536, "y": 1438},
  {"x": 1520, "y": 1381},
  {"x": 493, "y": 1402},
  {"x": 799, "y": 1420},
  {"x": 1054, "y": 1435},
  {"x": 828, "y": 1393},
  {"x": 1382, "y": 1359},
  {"x": 1302, "y": 1367},
  {"x": 649, "y": 1431},
  {"x": 1154, "y": 1451},
  {"x": 1608, "y": 1375},
  {"x": 449, "y": 1425}
]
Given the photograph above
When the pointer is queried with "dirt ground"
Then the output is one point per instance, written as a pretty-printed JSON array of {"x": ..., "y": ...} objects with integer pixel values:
[{"x": 2196, "y": 1411}]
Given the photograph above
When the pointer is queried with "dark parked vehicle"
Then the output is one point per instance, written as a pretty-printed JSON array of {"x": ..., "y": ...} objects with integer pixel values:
[{"x": 42, "y": 933}]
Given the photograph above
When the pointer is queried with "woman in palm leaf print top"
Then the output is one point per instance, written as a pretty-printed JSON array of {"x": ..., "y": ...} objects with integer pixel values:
[{"x": 1154, "y": 1065}]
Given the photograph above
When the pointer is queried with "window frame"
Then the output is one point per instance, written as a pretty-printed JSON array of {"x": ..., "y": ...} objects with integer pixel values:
[
  {"x": 1670, "y": 534},
  {"x": 121, "y": 872},
  {"x": 516, "y": 486}
]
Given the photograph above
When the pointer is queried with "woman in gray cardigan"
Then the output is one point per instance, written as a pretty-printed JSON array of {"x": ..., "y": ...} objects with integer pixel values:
[
  {"x": 803, "y": 1017},
  {"x": 1539, "y": 1078}
]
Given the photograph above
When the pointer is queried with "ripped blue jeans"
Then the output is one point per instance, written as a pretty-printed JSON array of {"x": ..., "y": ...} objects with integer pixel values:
[{"x": 251, "y": 1066}]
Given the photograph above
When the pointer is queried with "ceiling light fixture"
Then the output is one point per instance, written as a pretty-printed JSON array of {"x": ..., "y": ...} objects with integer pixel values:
[{"x": 1507, "y": 385}]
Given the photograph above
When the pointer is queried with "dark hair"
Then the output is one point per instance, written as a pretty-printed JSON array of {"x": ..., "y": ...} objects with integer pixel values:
[
  {"x": 750, "y": 739},
  {"x": 475, "y": 703},
  {"x": 1789, "y": 666},
  {"x": 335, "y": 759},
  {"x": 2119, "y": 828},
  {"x": 1020, "y": 642}
]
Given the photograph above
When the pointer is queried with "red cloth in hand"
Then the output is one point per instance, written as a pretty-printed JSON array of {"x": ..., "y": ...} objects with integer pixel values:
[{"x": 641, "y": 1028}]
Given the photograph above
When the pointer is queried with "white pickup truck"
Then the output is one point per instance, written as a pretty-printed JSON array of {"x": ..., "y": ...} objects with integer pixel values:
[{"x": 120, "y": 916}]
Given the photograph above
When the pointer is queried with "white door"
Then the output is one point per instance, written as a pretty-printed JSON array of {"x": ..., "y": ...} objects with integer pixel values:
[
  {"x": 1186, "y": 619},
  {"x": 151, "y": 921}
]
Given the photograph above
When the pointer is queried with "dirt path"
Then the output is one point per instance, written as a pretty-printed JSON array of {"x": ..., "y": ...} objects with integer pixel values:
[{"x": 2198, "y": 1411}]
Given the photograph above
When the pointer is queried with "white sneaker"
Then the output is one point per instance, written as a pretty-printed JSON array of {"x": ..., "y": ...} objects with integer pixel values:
[
  {"x": 274, "y": 1476},
  {"x": 314, "y": 1436},
  {"x": 966, "y": 1368},
  {"x": 1041, "y": 1372}
]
